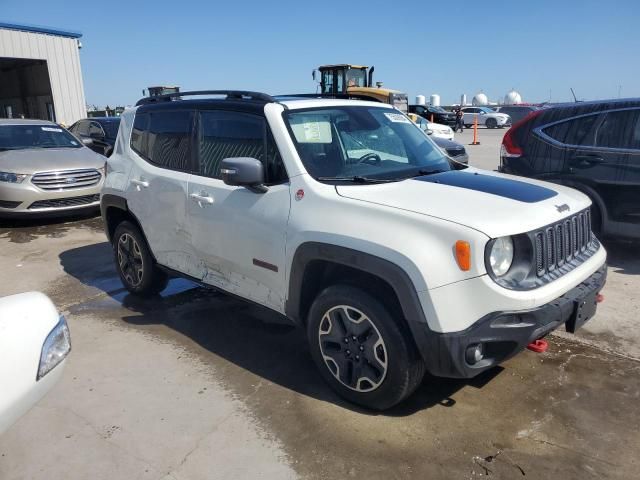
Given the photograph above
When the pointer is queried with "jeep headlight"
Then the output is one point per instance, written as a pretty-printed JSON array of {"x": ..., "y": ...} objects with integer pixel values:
[
  {"x": 501, "y": 256},
  {"x": 12, "y": 177},
  {"x": 55, "y": 348}
]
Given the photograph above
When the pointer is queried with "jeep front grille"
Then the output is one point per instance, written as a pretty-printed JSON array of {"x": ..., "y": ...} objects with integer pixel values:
[
  {"x": 66, "y": 179},
  {"x": 562, "y": 242}
]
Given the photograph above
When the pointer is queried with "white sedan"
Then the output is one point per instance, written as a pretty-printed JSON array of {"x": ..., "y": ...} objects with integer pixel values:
[
  {"x": 435, "y": 129},
  {"x": 34, "y": 342},
  {"x": 486, "y": 116}
]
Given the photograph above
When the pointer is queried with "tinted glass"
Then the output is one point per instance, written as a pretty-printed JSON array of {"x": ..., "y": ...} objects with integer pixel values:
[
  {"x": 578, "y": 131},
  {"x": 21, "y": 137},
  {"x": 229, "y": 134},
  {"x": 138, "y": 134},
  {"x": 620, "y": 130},
  {"x": 95, "y": 129},
  {"x": 371, "y": 142},
  {"x": 169, "y": 139},
  {"x": 83, "y": 128}
]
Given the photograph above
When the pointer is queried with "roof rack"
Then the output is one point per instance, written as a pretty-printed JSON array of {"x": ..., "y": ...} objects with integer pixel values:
[
  {"x": 230, "y": 94},
  {"x": 347, "y": 96}
]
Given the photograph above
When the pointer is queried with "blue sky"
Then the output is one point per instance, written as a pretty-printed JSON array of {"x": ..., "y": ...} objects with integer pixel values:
[{"x": 541, "y": 48}]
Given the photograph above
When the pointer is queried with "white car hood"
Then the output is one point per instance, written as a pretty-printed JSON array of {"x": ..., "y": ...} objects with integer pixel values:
[{"x": 489, "y": 202}]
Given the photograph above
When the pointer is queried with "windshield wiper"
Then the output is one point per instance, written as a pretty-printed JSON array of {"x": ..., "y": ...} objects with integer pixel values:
[
  {"x": 357, "y": 179},
  {"x": 422, "y": 172}
]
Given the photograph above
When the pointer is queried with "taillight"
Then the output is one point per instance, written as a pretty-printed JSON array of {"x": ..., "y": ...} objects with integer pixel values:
[{"x": 510, "y": 147}]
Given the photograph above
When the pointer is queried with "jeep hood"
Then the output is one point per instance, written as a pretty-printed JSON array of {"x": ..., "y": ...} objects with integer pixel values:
[
  {"x": 35, "y": 160},
  {"x": 490, "y": 202}
]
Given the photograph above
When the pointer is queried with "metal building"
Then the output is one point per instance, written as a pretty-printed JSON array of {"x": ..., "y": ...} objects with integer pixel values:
[{"x": 40, "y": 75}]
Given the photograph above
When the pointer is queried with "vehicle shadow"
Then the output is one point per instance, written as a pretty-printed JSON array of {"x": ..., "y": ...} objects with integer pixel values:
[
  {"x": 244, "y": 334},
  {"x": 24, "y": 230},
  {"x": 623, "y": 256}
]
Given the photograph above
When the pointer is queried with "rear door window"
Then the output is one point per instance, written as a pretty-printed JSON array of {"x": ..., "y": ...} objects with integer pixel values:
[
  {"x": 169, "y": 139},
  {"x": 620, "y": 130},
  {"x": 139, "y": 134},
  {"x": 577, "y": 131}
]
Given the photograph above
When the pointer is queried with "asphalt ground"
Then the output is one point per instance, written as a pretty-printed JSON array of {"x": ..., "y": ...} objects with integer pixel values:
[{"x": 193, "y": 384}]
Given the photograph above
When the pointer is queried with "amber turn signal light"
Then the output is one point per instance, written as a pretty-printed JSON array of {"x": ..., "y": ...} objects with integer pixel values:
[{"x": 463, "y": 255}]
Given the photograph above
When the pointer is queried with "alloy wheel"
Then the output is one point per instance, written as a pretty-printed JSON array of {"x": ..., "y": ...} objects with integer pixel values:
[
  {"x": 352, "y": 348},
  {"x": 130, "y": 260}
]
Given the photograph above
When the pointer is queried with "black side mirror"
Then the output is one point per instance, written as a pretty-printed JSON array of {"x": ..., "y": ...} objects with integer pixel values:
[{"x": 244, "y": 171}]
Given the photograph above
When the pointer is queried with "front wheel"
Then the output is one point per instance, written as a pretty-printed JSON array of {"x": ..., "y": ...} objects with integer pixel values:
[
  {"x": 491, "y": 123},
  {"x": 362, "y": 352},
  {"x": 134, "y": 261}
]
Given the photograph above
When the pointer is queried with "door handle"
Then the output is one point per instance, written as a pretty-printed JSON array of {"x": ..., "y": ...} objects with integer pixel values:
[
  {"x": 201, "y": 199},
  {"x": 586, "y": 160},
  {"x": 140, "y": 183}
]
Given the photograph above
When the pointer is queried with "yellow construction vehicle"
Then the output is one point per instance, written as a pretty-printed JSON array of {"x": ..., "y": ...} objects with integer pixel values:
[{"x": 357, "y": 80}]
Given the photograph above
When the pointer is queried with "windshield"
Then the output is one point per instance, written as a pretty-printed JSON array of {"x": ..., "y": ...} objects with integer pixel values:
[
  {"x": 356, "y": 78},
  {"x": 487, "y": 110},
  {"x": 20, "y": 137},
  {"x": 375, "y": 143},
  {"x": 111, "y": 128},
  {"x": 437, "y": 110}
]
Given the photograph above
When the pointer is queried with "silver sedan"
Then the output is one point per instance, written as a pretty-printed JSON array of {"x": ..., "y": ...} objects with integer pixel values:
[{"x": 45, "y": 169}]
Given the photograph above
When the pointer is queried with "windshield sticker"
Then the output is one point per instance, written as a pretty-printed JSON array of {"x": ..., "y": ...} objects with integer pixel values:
[
  {"x": 51, "y": 129},
  {"x": 312, "y": 128},
  {"x": 397, "y": 118}
]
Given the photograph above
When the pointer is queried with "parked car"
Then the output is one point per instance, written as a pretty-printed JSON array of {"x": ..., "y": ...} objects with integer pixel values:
[
  {"x": 435, "y": 114},
  {"x": 516, "y": 112},
  {"x": 351, "y": 223},
  {"x": 44, "y": 169},
  {"x": 591, "y": 146},
  {"x": 34, "y": 342},
  {"x": 436, "y": 130},
  {"x": 455, "y": 150},
  {"x": 101, "y": 130},
  {"x": 486, "y": 116}
]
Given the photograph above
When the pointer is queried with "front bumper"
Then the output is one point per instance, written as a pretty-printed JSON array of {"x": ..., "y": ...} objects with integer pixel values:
[
  {"x": 504, "y": 334},
  {"x": 26, "y": 200}
]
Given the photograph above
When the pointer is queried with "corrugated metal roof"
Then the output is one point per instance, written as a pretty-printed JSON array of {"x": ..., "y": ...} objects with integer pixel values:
[{"x": 37, "y": 29}]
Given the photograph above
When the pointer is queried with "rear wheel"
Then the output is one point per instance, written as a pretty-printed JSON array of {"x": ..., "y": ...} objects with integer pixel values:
[
  {"x": 596, "y": 219},
  {"x": 491, "y": 123},
  {"x": 362, "y": 352},
  {"x": 134, "y": 262}
]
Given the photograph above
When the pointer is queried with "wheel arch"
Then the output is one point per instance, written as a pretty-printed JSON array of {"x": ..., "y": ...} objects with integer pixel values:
[
  {"x": 317, "y": 265},
  {"x": 114, "y": 210}
]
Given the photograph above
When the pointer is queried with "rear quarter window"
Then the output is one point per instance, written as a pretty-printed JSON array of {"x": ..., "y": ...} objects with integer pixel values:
[{"x": 576, "y": 131}]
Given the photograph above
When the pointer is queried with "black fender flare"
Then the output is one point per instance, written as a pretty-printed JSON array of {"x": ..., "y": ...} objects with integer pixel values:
[
  {"x": 391, "y": 273},
  {"x": 108, "y": 201}
]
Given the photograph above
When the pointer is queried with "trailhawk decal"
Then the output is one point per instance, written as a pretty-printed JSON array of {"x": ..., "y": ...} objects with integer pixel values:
[{"x": 502, "y": 187}]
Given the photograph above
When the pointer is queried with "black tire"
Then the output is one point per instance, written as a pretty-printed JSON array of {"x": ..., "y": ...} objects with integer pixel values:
[
  {"x": 491, "y": 123},
  {"x": 376, "y": 335},
  {"x": 467, "y": 125},
  {"x": 134, "y": 262}
]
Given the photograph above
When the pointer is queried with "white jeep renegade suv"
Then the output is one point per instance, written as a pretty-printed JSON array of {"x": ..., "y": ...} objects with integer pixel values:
[{"x": 346, "y": 218}]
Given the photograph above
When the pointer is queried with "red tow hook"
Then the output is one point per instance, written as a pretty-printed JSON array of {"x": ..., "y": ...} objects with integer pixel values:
[
  {"x": 599, "y": 298},
  {"x": 538, "y": 346}
]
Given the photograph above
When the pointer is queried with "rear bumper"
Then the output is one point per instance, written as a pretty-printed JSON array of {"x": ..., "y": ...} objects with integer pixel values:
[{"x": 504, "y": 334}]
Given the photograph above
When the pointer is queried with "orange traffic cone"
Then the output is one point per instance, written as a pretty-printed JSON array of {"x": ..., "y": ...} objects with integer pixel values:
[{"x": 475, "y": 131}]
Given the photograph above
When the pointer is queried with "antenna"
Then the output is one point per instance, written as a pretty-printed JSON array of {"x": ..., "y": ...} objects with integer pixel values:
[{"x": 574, "y": 94}]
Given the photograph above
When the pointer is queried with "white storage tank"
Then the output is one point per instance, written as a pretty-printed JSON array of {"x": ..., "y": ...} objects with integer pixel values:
[
  {"x": 479, "y": 99},
  {"x": 512, "y": 98},
  {"x": 420, "y": 100},
  {"x": 435, "y": 100},
  {"x": 463, "y": 99}
]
